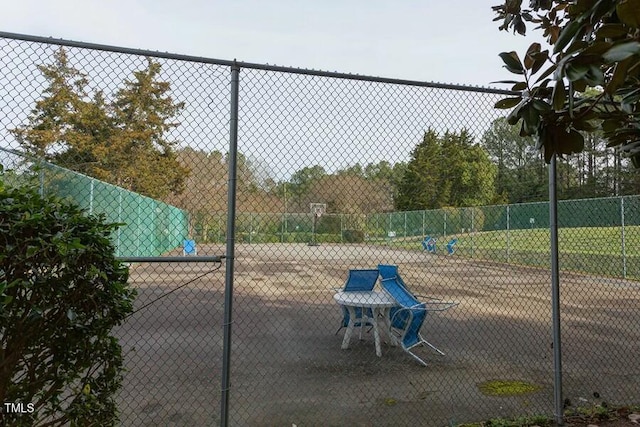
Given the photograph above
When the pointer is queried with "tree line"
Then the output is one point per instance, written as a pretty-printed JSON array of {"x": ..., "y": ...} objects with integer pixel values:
[{"x": 122, "y": 138}]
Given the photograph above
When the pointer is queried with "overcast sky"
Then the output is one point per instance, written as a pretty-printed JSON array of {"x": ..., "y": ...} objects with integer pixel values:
[{"x": 452, "y": 41}]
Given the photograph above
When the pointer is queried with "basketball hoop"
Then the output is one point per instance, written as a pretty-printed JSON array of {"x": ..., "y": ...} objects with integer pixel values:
[{"x": 318, "y": 209}]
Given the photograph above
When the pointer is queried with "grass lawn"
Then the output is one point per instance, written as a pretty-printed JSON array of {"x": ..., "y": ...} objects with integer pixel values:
[{"x": 596, "y": 250}]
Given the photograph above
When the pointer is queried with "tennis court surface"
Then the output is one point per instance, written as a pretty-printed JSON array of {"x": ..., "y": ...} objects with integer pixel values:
[{"x": 287, "y": 366}]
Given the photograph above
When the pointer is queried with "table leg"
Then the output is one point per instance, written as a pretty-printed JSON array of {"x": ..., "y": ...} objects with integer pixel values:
[
  {"x": 376, "y": 333},
  {"x": 387, "y": 323},
  {"x": 349, "y": 331}
]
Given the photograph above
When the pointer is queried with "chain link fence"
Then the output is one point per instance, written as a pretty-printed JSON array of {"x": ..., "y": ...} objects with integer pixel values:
[{"x": 157, "y": 127}]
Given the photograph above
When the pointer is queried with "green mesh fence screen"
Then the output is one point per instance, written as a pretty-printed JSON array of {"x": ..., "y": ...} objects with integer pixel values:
[
  {"x": 598, "y": 236},
  {"x": 150, "y": 227}
]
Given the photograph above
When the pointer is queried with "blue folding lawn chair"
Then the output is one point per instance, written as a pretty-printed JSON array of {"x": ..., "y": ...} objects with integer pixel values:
[
  {"x": 359, "y": 280},
  {"x": 429, "y": 244},
  {"x": 408, "y": 316},
  {"x": 451, "y": 246}
]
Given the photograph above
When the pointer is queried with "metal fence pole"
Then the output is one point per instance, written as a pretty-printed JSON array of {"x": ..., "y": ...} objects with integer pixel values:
[
  {"x": 508, "y": 236},
  {"x": 473, "y": 230},
  {"x": 41, "y": 179},
  {"x": 555, "y": 293},
  {"x": 228, "y": 291},
  {"x": 91, "y": 197},
  {"x": 405, "y": 224},
  {"x": 624, "y": 240},
  {"x": 445, "y": 224},
  {"x": 119, "y": 221}
]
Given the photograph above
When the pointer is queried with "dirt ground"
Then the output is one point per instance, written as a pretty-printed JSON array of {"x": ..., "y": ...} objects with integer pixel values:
[{"x": 287, "y": 367}]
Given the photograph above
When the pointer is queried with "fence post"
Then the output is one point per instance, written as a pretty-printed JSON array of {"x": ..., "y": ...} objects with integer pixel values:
[
  {"x": 41, "y": 179},
  {"x": 445, "y": 224},
  {"x": 624, "y": 240},
  {"x": 138, "y": 215},
  {"x": 405, "y": 224},
  {"x": 91, "y": 197},
  {"x": 423, "y": 223},
  {"x": 230, "y": 255},
  {"x": 473, "y": 230},
  {"x": 508, "y": 235},
  {"x": 119, "y": 221},
  {"x": 555, "y": 294}
]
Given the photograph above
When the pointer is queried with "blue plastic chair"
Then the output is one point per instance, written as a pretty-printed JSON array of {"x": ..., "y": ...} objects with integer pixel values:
[
  {"x": 451, "y": 246},
  {"x": 359, "y": 280},
  {"x": 429, "y": 244},
  {"x": 407, "y": 318},
  {"x": 189, "y": 247}
]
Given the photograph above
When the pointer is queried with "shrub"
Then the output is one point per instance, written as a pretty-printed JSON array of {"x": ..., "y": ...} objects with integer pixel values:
[
  {"x": 61, "y": 293},
  {"x": 353, "y": 236}
]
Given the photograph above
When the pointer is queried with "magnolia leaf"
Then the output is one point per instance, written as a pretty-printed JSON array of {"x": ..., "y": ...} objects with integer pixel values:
[
  {"x": 631, "y": 97},
  {"x": 559, "y": 95},
  {"x": 611, "y": 31},
  {"x": 547, "y": 73},
  {"x": 629, "y": 12},
  {"x": 506, "y": 81},
  {"x": 610, "y": 125},
  {"x": 576, "y": 71},
  {"x": 508, "y": 102},
  {"x": 569, "y": 143},
  {"x": 585, "y": 125},
  {"x": 579, "y": 85},
  {"x": 622, "y": 51},
  {"x": 595, "y": 76},
  {"x": 547, "y": 150},
  {"x": 539, "y": 60},
  {"x": 619, "y": 76},
  {"x": 514, "y": 115},
  {"x": 520, "y": 86},
  {"x": 597, "y": 49},
  {"x": 541, "y": 106},
  {"x": 566, "y": 35},
  {"x": 529, "y": 58},
  {"x": 530, "y": 120},
  {"x": 512, "y": 62}
]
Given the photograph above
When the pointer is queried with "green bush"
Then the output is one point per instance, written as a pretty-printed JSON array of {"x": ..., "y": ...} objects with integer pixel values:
[
  {"x": 61, "y": 293},
  {"x": 353, "y": 236}
]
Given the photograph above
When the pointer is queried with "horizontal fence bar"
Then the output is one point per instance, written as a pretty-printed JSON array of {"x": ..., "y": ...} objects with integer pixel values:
[
  {"x": 171, "y": 258},
  {"x": 265, "y": 67}
]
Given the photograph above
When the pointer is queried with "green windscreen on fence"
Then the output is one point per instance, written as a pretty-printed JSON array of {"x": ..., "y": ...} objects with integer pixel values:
[{"x": 150, "y": 227}]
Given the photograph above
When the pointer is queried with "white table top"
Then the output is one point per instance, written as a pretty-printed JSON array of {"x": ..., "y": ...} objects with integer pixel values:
[{"x": 365, "y": 299}]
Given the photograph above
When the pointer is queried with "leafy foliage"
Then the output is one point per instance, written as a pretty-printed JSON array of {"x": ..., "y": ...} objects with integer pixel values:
[
  {"x": 122, "y": 142},
  {"x": 596, "y": 44},
  {"x": 521, "y": 176},
  {"x": 448, "y": 170},
  {"x": 61, "y": 293}
]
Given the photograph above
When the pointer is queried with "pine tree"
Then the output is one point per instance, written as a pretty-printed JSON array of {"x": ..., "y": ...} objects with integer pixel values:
[
  {"x": 51, "y": 122},
  {"x": 143, "y": 111},
  {"x": 447, "y": 170},
  {"x": 123, "y": 142}
]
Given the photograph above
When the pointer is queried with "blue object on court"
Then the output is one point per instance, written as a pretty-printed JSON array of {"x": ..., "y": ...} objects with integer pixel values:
[
  {"x": 408, "y": 316},
  {"x": 429, "y": 244},
  {"x": 451, "y": 246},
  {"x": 189, "y": 247},
  {"x": 359, "y": 280}
]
